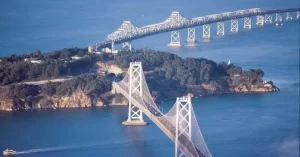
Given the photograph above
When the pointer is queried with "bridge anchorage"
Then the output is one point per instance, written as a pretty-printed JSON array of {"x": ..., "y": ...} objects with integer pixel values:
[
  {"x": 176, "y": 21},
  {"x": 179, "y": 124}
]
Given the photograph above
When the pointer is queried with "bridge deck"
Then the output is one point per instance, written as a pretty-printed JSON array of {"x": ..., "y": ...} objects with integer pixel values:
[
  {"x": 185, "y": 144},
  {"x": 129, "y": 32}
]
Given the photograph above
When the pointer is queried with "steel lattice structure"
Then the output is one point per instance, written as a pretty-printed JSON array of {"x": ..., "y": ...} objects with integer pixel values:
[
  {"x": 176, "y": 21},
  {"x": 179, "y": 124}
]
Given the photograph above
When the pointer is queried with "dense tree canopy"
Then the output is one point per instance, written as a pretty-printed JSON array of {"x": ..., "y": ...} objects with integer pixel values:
[
  {"x": 55, "y": 64},
  {"x": 168, "y": 75},
  {"x": 188, "y": 71}
]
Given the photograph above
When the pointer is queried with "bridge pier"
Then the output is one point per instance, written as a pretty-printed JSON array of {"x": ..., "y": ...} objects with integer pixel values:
[
  {"x": 220, "y": 28},
  {"x": 183, "y": 121},
  {"x": 234, "y": 26},
  {"x": 260, "y": 20},
  {"x": 126, "y": 46},
  {"x": 206, "y": 32},
  {"x": 191, "y": 35},
  {"x": 135, "y": 115},
  {"x": 112, "y": 46},
  {"x": 175, "y": 39},
  {"x": 278, "y": 19},
  {"x": 268, "y": 18},
  {"x": 247, "y": 22},
  {"x": 298, "y": 14},
  {"x": 288, "y": 16}
]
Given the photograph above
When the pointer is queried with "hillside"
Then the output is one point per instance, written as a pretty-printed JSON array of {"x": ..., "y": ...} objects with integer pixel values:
[{"x": 86, "y": 81}]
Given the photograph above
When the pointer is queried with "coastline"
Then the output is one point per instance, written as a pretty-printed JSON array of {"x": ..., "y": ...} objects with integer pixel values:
[{"x": 66, "y": 89}]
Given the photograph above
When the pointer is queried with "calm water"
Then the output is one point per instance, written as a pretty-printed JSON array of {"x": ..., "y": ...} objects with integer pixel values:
[{"x": 244, "y": 125}]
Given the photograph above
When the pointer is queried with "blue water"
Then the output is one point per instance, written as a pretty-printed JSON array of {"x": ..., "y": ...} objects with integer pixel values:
[{"x": 238, "y": 125}]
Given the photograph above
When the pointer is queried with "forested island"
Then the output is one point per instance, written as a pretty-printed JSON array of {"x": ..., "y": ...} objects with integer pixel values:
[{"x": 30, "y": 81}]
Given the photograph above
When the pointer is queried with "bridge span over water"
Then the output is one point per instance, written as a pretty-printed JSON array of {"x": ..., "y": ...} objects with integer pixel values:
[
  {"x": 127, "y": 31},
  {"x": 179, "y": 124}
]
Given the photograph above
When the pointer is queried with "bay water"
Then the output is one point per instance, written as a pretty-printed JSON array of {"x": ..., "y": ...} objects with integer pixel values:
[{"x": 234, "y": 125}]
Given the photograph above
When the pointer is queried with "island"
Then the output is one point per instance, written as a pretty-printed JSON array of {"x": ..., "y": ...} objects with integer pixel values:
[{"x": 71, "y": 78}]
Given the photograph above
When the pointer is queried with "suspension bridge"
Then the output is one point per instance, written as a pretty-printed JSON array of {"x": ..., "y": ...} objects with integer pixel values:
[
  {"x": 176, "y": 21},
  {"x": 179, "y": 124}
]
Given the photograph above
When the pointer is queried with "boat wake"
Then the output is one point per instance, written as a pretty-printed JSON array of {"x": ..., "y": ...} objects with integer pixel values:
[
  {"x": 47, "y": 149},
  {"x": 61, "y": 148},
  {"x": 56, "y": 148}
]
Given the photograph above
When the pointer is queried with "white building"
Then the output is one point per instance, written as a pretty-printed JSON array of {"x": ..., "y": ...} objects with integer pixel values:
[
  {"x": 36, "y": 61},
  {"x": 76, "y": 57}
]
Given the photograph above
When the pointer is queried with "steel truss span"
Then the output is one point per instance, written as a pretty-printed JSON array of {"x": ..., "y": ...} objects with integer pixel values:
[{"x": 176, "y": 21}]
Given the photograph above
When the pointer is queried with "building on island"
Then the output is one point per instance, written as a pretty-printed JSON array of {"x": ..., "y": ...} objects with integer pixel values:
[
  {"x": 76, "y": 57},
  {"x": 33, "y": 60}
]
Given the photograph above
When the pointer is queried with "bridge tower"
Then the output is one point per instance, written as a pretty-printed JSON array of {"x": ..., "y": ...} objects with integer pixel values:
[
  {"x": 234, "y": 26},
  {"x": 183, "y": 121},
  {"x": 268, "y": 18},
  {"x": 278, "y": 19},
  {"x": 175, "y": 39},
  {"x": 247, "y": 22},
  {"x": 289, "y": 16},
  {"x": 191, "y": 35},
  {"x": 135, "y": 115},
  {"x": 220, "y": 28},
  {"x": 298, "y": 14},
  {"x": 206, "y": 32},
  {"x": 126, "y": 46},
  {"x": 260, "y": 20}
]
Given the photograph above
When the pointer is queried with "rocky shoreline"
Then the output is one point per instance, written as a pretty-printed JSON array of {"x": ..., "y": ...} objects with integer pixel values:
[{"x": 78, "y": 99}]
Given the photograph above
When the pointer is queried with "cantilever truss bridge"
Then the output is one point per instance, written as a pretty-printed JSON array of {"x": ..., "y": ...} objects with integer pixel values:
[{"x": 127, "y": 31}]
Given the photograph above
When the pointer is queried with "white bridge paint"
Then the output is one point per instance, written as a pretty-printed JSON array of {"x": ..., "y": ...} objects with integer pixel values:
[
  {"x": 179, "y": 124},
  {"x": 128, "y": 31}
]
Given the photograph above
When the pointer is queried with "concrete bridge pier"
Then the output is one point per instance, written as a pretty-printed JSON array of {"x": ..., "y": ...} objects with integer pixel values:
[
  {"x": 175, "y": 39},
  {"x": 247, "y": 22},
  {"x": 268, "y": 18},
  {"x": 260, "y": 20},
  {"x": 234, "y": 26},
  {"x": 220, "y": 29},
  {"x": 298, "y": 14},
  {"x": 278, "y": 19},
  {"x": 206, "y": 32},
  {"x": 191, "y": 35},
  {"x": 288, "y": 16}
]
